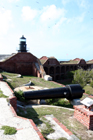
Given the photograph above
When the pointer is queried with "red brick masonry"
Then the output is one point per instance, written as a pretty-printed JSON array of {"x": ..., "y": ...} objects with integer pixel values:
[
  {"x": 84, "y": 116},
  {"x": 13, "y": 102},
  {"x": 63, "y": 127},
  {"x": 1, "y": 78}
]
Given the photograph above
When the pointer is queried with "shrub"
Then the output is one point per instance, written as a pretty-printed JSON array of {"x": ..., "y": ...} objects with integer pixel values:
[
  {"x": 81, "y": 77},
  {"x": 51, "y": 101},
  {"x": 91, "y": 84},
  {"x": 70, "y": 74},
  {"x": 9, "y": 130},
  {"x": 59, "y": 102},
  {"x": 19, "y": 95}
]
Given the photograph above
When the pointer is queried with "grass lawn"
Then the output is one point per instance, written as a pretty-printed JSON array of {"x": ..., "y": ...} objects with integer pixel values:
[
  {"x": 88, "y": 89},
  {"x": 16, "y": 82},
  {"x": 65, "y": 116}
]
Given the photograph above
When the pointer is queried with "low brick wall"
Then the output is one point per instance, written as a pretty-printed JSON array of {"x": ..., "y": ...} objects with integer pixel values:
[
  {"x": 1, "y": 77},
  {"x": 84, "y": 116},
  {"x": 63, "y": 127},
  {"x": 12, "y": 99},
  {"x": 13, "y": 102}
]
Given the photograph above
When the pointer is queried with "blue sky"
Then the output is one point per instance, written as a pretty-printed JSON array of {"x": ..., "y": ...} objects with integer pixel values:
[{"x": 59, "y": 28}]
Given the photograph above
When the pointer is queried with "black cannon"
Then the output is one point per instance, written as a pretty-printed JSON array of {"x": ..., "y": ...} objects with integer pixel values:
[{"x": 70, "y": 92}]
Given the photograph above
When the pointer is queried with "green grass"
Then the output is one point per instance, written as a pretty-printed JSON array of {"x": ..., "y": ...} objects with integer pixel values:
[
  {"x": 62, "y": 138},
  {"x": 37, "y": 113},
  {"x": 8, "y": 75},
  {"x": 48, "y": 129},
  {"x": 2, "y": 95},
  {"x": 16, "y": 82},
  {"x": 88, "y": 89},
  {"x": 9, "y": 130}
]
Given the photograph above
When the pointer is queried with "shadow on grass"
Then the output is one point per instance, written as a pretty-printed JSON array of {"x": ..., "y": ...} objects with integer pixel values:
[
  {"x": 10, "y": 85},
  {"x": 30, "y": 114},
  {"x": 4, "y": 77}
]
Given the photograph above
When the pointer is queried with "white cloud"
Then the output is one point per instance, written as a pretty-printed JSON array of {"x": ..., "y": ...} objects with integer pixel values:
[
  {"x": 57, "y": 25},
  {"x": 28, "y": 13},
  {"x": 80, "y": 18},
  {"x": 5, "y": 20},
  {"x": 12, "y": 1},
  {"x": 64, "y": 2},
  {"x": 76, "y": 20},
  {"x": 52, "y": 13},
  {"x": 82, "y": 3}
]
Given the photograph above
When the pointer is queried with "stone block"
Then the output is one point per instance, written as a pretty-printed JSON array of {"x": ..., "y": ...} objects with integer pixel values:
[{"x": 75, "y": 102}]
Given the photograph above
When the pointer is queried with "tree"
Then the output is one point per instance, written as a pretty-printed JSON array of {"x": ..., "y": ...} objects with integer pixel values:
[
  {"x": 81, "y": 77},
  {"x": 91, "y": 84}
]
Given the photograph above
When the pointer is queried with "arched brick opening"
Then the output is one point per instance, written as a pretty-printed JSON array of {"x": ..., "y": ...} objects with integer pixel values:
[
  {"x": 53, "y": 78},
  {"x": 67, "y": 68},
  {"x": 51, "y": 70},
  {"x": 57, "y": 69},
  {"x": 82, "y": 67},
  {"x": 71, "y": 68},
  {"x": 85, "y": 67},
  {"x": 57, "y": 77},
  {"x": 62, "y": 76},
  {"x": 46, "y": 70},
  {"x": 75, "y": 67},
  {"x": 63, "y": 69}
]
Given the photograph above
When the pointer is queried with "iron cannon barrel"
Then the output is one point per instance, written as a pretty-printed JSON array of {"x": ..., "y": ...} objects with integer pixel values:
[{"x": 70, "y": 92}]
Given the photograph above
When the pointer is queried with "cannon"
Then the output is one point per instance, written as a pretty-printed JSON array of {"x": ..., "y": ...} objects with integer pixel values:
[{"x": 70, "y": 92}]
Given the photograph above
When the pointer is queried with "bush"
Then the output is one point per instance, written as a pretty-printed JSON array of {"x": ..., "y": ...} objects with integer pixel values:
[
  {"x": 70, "y": 75},
  {"x": 9, "y": 130},
  {"x": 51, "y": 101},
  {"x": 91, "y": 84},
  {"x": 81, "y": 77},
  {"x": 19, "y": 95},
  {"x": 59, "y": 102}
]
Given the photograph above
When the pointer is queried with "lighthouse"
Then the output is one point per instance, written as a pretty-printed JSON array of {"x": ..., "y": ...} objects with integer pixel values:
[{"x": 22, "y": 45}]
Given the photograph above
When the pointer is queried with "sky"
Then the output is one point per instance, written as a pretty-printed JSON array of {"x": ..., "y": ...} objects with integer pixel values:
[{"x": 59, "y": 28}]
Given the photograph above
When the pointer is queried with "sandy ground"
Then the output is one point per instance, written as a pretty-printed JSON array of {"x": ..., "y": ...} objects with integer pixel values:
[{"x": 28, "y": 88}]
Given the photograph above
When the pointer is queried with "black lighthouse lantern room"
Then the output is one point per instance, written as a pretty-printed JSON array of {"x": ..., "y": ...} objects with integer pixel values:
[{"x": 22, "y": 45}]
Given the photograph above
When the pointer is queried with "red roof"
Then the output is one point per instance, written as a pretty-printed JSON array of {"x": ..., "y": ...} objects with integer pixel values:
[
  {"x": 76, "y": 59},
  {"x": 44, "y": 58}
]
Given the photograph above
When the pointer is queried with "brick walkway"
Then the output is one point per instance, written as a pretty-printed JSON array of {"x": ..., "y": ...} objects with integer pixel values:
[
  {"x": 25, "y": 130},
  {"x": 25, "y": 127}
]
